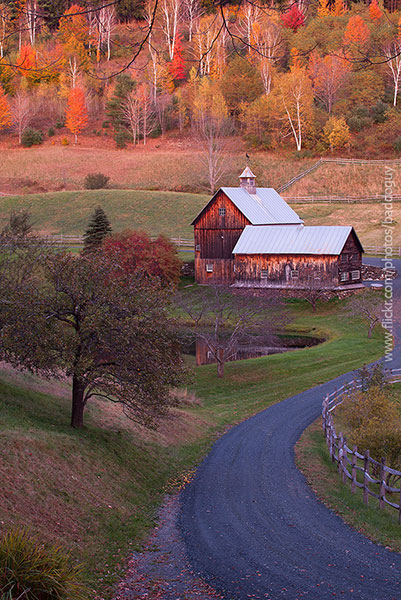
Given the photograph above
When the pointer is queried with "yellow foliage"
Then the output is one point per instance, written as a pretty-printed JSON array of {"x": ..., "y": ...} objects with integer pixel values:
[{"x": 336, "y": 133}]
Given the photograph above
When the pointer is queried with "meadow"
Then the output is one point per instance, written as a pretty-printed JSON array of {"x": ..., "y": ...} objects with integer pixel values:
[
  {"x": 96, "y": 491},
  {"x": 69, "y": 212}
]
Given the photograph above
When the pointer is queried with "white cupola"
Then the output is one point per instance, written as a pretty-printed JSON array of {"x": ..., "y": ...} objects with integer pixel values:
[{"x": 248, "y": 181}]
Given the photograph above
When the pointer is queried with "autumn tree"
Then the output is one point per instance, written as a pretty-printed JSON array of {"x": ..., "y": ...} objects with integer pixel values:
[
  {"x": 113, "y": 339},
  {"x": 241, "y": 83},
  {"x": 136, "y": 252},
  {"x": 293, "y": 18},
  {"x": 392, "y": 53},
  {"x": 297, "y": 100},
  {"x": 77, "y": 113},
  {"x": 375, "y": 11},
  {"x": 74, "y": 36},
  {"x": 336, "y": 133},
  {"x": 177, "y": 64},
  {"x": 5, "y": 110},
  {"x": 328, "y": 75},
  {"x": 357, "y": 35},
  {"x": 22, "y": 111}
]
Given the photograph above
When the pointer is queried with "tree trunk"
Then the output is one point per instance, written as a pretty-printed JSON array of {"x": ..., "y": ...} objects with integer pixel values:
[
  {"x": 220, "y": 369},
  {"x": 78, "y": 402}
]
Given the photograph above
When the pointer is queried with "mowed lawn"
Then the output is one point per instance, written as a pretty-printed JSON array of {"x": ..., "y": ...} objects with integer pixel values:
[
  {"x": 95, "y": 491},
  {"x": 171, "y": 213}
]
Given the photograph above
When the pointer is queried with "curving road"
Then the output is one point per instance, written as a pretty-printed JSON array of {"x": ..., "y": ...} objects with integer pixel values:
[{"x": 254, "y": 529}]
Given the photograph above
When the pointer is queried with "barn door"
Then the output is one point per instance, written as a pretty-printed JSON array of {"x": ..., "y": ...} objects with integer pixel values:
[{"x": 287, "y": 273}]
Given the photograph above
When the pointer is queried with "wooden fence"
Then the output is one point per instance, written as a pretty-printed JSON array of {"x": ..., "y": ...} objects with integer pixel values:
[
  {"x": 339, "y": 161},
  {"x": 374, "y": 478},
  {"x": 334, "y": 200},
  {"x": 382, "y": 251},
  {"x": 67, "y": 240}
]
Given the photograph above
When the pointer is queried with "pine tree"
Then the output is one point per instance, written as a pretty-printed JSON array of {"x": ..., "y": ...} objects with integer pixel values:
[
  {"x": 77, "y": 114},
  {"x": 98, "y": 229}
]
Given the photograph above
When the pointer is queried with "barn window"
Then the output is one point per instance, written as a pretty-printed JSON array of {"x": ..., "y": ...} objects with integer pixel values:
[
  {"x": 264, "y": 274},
  {"x": 222, "y": 212},
  {"x": 344, "y": 276},
  {"x": 355, "y": 275},
  {"x": 197, "y": 247},
  {"x": 294, "y": 274},
  {"x": 209, "y": 268}
]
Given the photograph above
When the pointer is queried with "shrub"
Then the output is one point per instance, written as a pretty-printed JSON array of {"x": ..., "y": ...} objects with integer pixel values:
[
  {"x": 121, "y": 137},
  {"x": 31, "y": 137},
  {"x": 51, "y": 132},
  {"x": 96, "y": 181},
  {"x": 65, "y": 142},
  {"x": 106, "y": 124},
  {"x": 60, "y": 124},
  {"x": 33, "y": 571},
  {"x": 397, "y": 144}
]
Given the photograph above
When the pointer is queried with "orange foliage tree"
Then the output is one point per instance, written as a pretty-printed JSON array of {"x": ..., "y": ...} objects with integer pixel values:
[
  {"x": 328, "y": 75},
  {"x": 77, "y": 114},
  {"x": 375, "y": 11},
  {"x": 26, "y": 59},
  {"x": 357, "y": 32},
  {"x": 5, "y": 111}
]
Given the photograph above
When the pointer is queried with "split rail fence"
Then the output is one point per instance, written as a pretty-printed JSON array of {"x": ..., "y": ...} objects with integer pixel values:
[
  {"x": 67, "y": 241},
  {"x": 374, "y": 478}
]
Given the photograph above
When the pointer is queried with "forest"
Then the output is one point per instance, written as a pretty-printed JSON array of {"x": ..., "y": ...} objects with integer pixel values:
[{"x": 313, "y": 78}]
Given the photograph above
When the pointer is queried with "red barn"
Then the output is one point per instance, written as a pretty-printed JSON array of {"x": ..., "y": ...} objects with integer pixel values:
[{"x": 250, "y": 237}]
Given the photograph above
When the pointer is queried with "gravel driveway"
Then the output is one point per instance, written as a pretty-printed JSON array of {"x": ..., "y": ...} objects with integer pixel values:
[{"x": 254, "y": 529}]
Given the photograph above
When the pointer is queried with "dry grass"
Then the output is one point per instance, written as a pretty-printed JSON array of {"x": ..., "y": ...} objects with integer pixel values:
[{"x": 336, "y": 180}]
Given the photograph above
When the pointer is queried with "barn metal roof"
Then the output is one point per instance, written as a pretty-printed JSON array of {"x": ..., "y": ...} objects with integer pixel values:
[
  {"x": 266, "y": 207},
  {"x": 282, "y": 239},
  {"x": 247, "y": 173}
]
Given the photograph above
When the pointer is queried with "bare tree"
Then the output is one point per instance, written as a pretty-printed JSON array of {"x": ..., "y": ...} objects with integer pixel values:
[
  {"x": 106, "y": 21},
  {"x": 171, "y": 12},
  {"x": 22, "y": 113},
  {"x": 192, "y": 11},
  {"x": 392, "y": 53},
  {"x": 224, "y": 322},
  {"x": 368, "y": 306},
  {"x": 132, "y": 112}
]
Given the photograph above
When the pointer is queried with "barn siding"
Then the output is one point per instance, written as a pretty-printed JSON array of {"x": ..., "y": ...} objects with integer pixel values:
[
  {"x": 222, "y": 271},
  {"x": 285, "y": 269},
  {"x": 215, "y": 237},
  {"x": 350, "y": 261}
]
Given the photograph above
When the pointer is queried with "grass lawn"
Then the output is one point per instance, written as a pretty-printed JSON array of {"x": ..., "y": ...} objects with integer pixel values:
[
  {"x": 95, "y": 491},
  {"x": 313, "y": 459},
  {"x": 69, "y": 212}
]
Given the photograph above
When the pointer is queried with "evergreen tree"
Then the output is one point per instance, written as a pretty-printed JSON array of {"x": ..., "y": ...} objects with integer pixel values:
[
  {"x": 115, "y": 111},
  {"x": 99, "y": 227}
]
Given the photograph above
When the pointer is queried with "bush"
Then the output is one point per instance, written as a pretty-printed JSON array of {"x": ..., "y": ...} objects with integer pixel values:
[
  {"x": 65, "y": 142},
  {"x": 33, "y": 571},
  {"x": 51, "y": 132},
  {"x": 60, "y": 124},
  {"x": 397, "y": 144},
  {"x": 31, "y": 137},
  {"x": 96, "y": 181},
  {"x": 121, "y": 138}
]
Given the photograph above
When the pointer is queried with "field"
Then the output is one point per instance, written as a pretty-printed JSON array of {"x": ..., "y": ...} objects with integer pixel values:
[
  {"x": 95, "y": 491},
  {"x": 176, "y": 165},
  {"x": 69, "y": 212}
]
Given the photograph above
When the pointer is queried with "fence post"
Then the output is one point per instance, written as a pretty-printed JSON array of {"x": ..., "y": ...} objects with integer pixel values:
[
  {"x": 344, "y": 460},
  {"x": 382, "y": 492},
  {"x": 353, "y": 480},
  {"x": 340, "y": 452},
  {"x": 365, "y": 479}
]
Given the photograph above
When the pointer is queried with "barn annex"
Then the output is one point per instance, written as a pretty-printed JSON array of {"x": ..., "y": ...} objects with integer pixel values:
[{"x": 250, "y": 237}]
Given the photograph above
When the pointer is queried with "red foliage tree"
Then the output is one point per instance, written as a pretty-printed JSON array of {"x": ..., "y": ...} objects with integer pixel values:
[
  {"x": 134, "y": 252},
  {"x": 177, "y": 65},
  {"x": 26, "y": 59},
  {"x": 293, "y": 18},
  {"x": 77, "y": 114}
]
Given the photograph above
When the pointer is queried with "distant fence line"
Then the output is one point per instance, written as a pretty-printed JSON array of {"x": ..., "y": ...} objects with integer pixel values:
[
  {"x": 351, "y": 463},
  {"x": 66, "y": 240},
  {"x": 339, "y": 161},
  {"x": 334, "y": 200},
  {"x": 382, "y": 251}
]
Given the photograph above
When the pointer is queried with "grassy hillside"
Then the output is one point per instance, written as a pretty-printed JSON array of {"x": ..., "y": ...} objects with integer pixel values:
[
  {"x": 95, "y": 491},
  {"x": 172, "y": 212},
  {"x": 178, "y": 165}
]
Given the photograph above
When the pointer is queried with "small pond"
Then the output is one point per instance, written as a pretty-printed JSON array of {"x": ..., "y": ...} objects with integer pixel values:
[{"x": 283, "y": 343}]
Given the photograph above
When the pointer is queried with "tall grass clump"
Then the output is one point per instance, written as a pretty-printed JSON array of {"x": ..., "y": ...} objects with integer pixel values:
[{"x": 29, "y": 570}]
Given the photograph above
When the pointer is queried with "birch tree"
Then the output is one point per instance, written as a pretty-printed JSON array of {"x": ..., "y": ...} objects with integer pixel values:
[
  {"x": 392, "y": 52},
  {"x": 171, "y": 11},
  {"x": 22, "y": 113},
  {"x": 297, "y": 102}
]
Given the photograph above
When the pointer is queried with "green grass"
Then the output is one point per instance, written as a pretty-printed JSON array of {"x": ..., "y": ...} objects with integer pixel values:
[
  {"x": 95, "y": 491},
  {"x": 171, "y": 213},
  {"x": 313, "y": 459}
]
